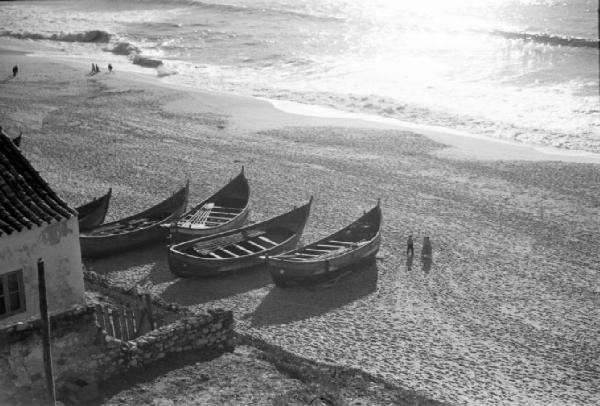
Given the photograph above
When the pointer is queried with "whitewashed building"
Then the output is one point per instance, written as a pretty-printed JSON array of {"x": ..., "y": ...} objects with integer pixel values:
[{"x": 35, "y": 225}]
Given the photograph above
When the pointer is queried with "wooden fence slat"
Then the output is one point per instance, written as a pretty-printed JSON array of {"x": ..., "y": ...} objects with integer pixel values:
[
  {"x": 116, "y": 323},
  {"x": 130, "y": 324},
  {"x": 123, "y": 321},
  {"x": 100, "y": 315},
  {"x": 109, "y": 326}
]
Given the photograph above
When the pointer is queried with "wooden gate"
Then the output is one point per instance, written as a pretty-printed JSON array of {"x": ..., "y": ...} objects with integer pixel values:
[{"x": 118, "y": 322}]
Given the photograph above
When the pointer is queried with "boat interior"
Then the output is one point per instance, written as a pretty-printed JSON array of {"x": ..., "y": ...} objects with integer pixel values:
[
  {"x": 240, "y": 244},
  {"x": 353, "y": 236},
  {"x": 127, "y": 226},
  {"x": 213, "y": 214}
]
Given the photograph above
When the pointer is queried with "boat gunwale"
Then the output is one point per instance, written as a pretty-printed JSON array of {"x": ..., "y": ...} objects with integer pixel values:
[{"x": 184, "y": 191}]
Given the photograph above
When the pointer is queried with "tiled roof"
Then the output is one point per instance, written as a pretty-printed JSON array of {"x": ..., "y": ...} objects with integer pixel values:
[{"x": 26, "y": 200}]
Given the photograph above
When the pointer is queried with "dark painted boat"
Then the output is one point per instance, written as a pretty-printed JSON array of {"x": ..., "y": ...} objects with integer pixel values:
[
  {"x": 92, "y": 214},
  {"x": 227, "y": 209},
  {"x": 134, "y": 231},
  {"x": 17, "y": 140},
  {"x": 233, "y": 250},
  {"x": 331, "y": 256}
]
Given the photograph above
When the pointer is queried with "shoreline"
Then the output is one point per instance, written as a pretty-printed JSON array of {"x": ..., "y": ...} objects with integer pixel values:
[
  {"x": 464, "y": 145},
  {"x": 505, "y": 315}
]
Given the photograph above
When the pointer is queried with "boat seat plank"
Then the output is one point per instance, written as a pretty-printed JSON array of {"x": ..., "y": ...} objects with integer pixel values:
[
  {"x": 215, "y": 255},
  {"x": 239, "y": 247},
  {"x": 234, "y": 255},
  {"x": 235, "y": 209},
  {"x": 337, "y": 247},
  {"x": 225, "y": 216},
  {"x": 265, "y": 239},
  {"x": 257, "y": 245},
  {"x": 307, "y": 255},
  {"x": 316, "y": 250},
  {"x": 346, "y": 243}
]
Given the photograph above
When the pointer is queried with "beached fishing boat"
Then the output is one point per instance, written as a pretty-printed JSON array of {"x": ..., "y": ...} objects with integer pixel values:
[
  {"x": 225, "y": 210},
  {"x": 17, "y": 140},
  {"x": 92, "y": 214},
  {"x": 136, "y": 230},
  {"x": 331, "y": 256},
  {"x": 243, "y": 248}
]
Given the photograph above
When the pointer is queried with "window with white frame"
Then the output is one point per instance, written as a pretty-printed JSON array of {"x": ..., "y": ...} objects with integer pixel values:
[{"x": 12, "y": 294}]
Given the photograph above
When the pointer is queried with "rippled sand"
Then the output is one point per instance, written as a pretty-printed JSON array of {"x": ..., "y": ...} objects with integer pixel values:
[{"x": 507, "y": 312}]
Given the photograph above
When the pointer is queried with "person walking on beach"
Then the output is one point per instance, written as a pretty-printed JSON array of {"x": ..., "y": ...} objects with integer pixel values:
[
  {"x": 410, "y": 250},
  {"x": 109, "y": 68},
  {"x": 15, "y": 70}
]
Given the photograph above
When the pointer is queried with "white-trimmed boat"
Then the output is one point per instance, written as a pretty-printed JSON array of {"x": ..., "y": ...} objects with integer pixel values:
[
  {"x": 234, "y": 250},
  {"x": 225, "y": 210},
  {"x": 331, "y": 256}
]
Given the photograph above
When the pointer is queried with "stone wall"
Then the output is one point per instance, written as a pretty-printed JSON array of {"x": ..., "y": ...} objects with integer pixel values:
[{"x": 84, "y": 354}]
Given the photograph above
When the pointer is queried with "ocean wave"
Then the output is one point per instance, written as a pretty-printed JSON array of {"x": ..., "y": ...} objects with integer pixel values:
[
  {"x": 232, "y": 8},
  {"x": 548, "y": 39},
  {"x": 146, "y": 62},
  {"x": 97, "y": 36},
  {"x": 123, "y": 48}
]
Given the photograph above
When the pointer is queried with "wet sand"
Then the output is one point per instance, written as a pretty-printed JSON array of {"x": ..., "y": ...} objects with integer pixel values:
[{"x": 508, "y": 310}]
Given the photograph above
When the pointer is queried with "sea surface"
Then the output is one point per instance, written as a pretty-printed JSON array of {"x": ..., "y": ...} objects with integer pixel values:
[{"x": 524, "y": 70}]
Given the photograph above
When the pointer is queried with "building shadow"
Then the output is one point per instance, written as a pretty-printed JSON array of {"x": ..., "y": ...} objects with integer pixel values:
[
  {"x": 285, "y": 305},
  {"x": 192, "y": 291},
  {"x": 152, "y": 258}
]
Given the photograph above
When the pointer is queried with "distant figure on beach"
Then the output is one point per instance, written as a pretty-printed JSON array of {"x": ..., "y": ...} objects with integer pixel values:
[
  {"x": 15, "y": 70},
  {"x": 97, "y": 69},
  {"x": 410, "y": 247},
  {"x": 93, "y": 69},
  {"x": 426, "y": 251},
  {"x": 109, "y": 68}
]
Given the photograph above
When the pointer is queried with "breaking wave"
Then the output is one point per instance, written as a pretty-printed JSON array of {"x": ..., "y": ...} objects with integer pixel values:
[
  {"x": 548, "y": 39},
  {"x": 96, "y": 36}
]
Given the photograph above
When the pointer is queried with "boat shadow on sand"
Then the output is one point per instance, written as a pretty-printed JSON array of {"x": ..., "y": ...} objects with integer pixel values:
[
  {"x": 286, "y": 305},
  {"x": 193, "y": 291}
]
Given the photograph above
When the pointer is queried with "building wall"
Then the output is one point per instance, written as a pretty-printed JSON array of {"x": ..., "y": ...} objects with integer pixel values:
[{"x": 57, "y": 244}]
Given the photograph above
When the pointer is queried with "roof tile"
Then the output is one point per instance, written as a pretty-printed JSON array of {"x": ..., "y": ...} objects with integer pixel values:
[{"x": 26, "y": 199}]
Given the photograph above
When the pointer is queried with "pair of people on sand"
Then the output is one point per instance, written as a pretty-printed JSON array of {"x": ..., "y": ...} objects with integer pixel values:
[
  {"x": 426, "y": 250},
  {"x": 96, "y": 68}
]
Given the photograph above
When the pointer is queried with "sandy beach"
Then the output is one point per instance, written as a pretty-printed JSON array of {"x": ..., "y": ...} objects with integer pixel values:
[{"x": 507, "y": 314}]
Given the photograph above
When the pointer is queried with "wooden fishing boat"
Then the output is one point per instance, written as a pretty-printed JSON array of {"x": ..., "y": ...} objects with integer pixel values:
[
  {"x": 243, "y": 248},
  {"x": 331, "y": 256},
  {"x": 17, "y": 140},
  {"x": 227, "y": 209},
  {"x": 134, "y": 231},
  {"x": 92, "y": 214}
]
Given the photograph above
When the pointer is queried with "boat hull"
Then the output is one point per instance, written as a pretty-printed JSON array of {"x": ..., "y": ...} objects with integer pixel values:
[
  {"x": 277, "y": 235},
  {"x": 94, "y": 246},
  {"x": 93, "y": 213},
  {"x": 291, "y": 273},
  {"x": 186, "y": 265}
]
